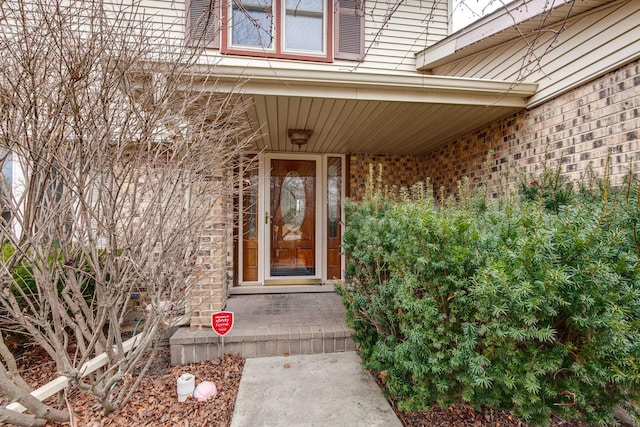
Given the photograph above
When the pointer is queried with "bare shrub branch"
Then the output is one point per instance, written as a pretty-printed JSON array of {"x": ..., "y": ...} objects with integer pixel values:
[{"x": 124, "y": 156}]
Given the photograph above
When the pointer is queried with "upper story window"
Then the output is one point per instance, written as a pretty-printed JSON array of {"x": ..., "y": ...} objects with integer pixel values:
[
  {"x": 319, "y": 30},
  {"x": 278, "y": 28}
]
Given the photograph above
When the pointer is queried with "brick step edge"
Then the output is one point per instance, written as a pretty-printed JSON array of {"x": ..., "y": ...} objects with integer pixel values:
[{"x": 197, "y": 346}]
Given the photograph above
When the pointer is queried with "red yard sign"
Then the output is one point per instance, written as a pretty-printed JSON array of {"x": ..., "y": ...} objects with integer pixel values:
[{"x": 222, "y": 322}]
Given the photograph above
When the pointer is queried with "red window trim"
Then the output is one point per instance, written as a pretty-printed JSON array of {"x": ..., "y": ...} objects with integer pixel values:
[{"x": 278, "y": 52}]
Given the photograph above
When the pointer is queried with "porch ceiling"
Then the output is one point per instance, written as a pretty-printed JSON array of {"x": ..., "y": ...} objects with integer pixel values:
[
  {"x": 365, "y": 112},
  {"x": 343, "y": 126}
]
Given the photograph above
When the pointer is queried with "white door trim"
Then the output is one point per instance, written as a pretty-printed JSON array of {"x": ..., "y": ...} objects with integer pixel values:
[{"x": 264, "y": 194}]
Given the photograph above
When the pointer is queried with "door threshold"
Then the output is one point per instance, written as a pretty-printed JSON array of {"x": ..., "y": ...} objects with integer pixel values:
[
  {"x": 298, "y": 281},
  {"x": 249, "y": 290}
]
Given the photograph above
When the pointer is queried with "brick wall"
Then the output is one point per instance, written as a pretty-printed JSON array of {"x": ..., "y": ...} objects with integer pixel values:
[
  {"x": 398, "y": 171},
  {"x": 574, "y": 131},
  {"x": 209, "y": 293}
]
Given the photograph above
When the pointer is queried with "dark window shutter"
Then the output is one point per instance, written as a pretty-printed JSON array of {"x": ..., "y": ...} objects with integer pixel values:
[
  {"x": 203, "y": 23},
  {"x": 349, "y": 34}
]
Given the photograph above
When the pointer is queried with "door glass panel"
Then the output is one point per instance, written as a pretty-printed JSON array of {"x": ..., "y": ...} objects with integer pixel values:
[
  {"x": 292, "y": 206},
  {"x": 250, "y": 222},
  {"x": 293, "y": 209},
  {"x": 334, "y": 217}
]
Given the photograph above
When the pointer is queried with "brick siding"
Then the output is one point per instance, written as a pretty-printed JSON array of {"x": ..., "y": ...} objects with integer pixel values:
[
  {"x": 397, "y": 170},
  {"x": 575, "y": 131}
]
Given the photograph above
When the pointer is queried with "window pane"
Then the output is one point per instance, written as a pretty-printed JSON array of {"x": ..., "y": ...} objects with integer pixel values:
[
  {"x": 6, "y": 182},
  {"x": 304, "y": 5},
  {"x": 304, "y": 25},
  {"x": 303, "y": 33},
  {"x": 250, "y": 220},
  {"x": 334, "y": 187},
  {"x": 251, "y": 23},
  {"x": 7, "y": 167}
]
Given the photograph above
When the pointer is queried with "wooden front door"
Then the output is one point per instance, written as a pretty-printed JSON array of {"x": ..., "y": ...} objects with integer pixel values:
[{"x": 292, "y": 235}]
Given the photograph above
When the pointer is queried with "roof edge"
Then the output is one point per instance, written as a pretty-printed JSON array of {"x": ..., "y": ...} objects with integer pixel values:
[{"x": 504, "y": 18}]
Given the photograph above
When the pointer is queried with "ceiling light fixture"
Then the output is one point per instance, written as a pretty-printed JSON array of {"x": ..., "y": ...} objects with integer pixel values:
[{"x": 299, "y": 137}]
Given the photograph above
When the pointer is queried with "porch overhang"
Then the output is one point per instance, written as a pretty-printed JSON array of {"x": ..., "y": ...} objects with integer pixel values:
[
  {"x": 361, "y": 86},
  {"x": 363, "y": 112}
]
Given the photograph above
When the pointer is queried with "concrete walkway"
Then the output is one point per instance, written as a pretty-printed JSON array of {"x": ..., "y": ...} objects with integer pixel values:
[{"x": 330, "y": 389}]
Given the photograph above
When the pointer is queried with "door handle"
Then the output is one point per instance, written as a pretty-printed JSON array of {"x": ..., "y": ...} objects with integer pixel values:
[{"x": 266, "y": 217}]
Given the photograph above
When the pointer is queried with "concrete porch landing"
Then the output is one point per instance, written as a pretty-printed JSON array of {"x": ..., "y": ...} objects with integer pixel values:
[{"x": 271, "y": 325}]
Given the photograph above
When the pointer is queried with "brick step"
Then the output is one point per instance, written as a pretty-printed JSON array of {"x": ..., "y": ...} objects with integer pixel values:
[{"x": 195, "y": 346}]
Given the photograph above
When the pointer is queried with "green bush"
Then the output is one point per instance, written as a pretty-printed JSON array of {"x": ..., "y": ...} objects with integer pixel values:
[
  {"x": 23, "y": 284},
  {"x": 530, "y": 306},
  {"x": 21, "y": 275}
]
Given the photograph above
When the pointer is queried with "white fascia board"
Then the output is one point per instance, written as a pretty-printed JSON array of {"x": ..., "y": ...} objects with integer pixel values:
[
  {"x": 426, "y": 58},
  {"x": 364, "y": 94},
  {"x": 369, "y": 86},
  {"x": 504, "y": 18}
]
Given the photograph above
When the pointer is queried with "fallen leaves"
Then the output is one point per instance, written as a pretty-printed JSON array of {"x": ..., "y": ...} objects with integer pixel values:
[
  {"x": 466, "y": 416},
  {"x": 155, "y": 402}
]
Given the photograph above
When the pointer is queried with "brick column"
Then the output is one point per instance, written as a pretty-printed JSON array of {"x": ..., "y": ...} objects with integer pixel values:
[{"x": 209, "y": 293}]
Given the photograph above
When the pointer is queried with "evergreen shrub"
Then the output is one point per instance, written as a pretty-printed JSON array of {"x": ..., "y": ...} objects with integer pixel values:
[
  {"x": 530, "y": 305},
  {"x": 22, "y": 283}
]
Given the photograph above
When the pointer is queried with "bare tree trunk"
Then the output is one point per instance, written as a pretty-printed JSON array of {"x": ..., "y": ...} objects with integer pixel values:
[
  {"x": 16, "y": 418},
  {"x": 39, "y": 410}
]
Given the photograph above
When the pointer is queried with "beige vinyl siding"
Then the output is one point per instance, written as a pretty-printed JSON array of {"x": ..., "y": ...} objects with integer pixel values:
[
  {"x": 165, "y": 16},
  {"x": 594, "y": 42},
  {"x": 413, "y": 26}
]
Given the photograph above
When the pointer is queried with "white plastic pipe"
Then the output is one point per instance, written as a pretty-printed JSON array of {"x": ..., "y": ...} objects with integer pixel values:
[{"x": 186, "y": 385}]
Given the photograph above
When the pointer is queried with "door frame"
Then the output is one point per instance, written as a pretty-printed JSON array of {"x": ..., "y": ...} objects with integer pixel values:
[{"x": 264, "y": 277}]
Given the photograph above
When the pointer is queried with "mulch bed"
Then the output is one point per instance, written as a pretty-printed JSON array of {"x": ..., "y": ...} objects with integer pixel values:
[
  {"x": 465, "y": 416},
  {"x": 155, "y": 401}
]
